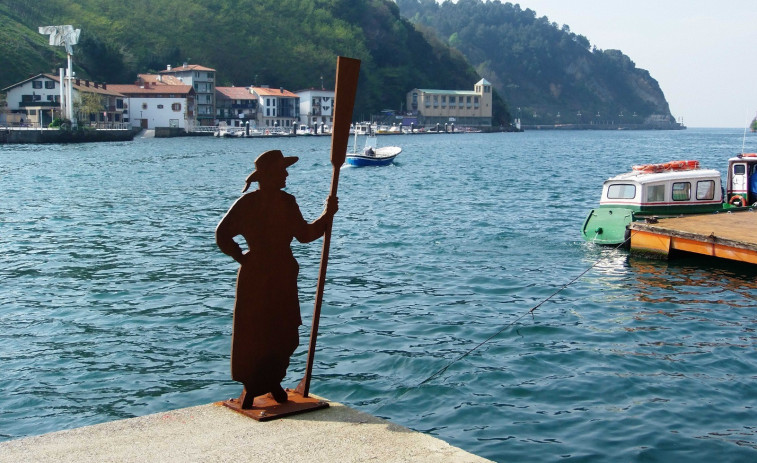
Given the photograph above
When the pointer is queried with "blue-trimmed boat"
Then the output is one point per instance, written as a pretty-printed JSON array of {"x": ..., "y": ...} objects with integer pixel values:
[{"x": 372, "y": 155}]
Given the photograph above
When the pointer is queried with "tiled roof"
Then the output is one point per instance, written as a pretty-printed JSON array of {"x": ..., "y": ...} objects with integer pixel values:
[
  {"x": 187, "y": 67},
  {"x": 131, "y": 89},
  {"x": 236, "y": 93},
  {"x": 265, "y": 91},
  {"x": 83, "y": 87},
  {"x": 166, "y": 80}
]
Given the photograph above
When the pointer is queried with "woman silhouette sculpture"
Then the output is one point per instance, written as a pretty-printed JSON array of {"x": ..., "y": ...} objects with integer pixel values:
[{"x": 266, "y": 309}]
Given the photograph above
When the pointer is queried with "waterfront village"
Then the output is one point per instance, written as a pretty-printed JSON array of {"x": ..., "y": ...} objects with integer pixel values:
[{"x": 185, "y": 99}]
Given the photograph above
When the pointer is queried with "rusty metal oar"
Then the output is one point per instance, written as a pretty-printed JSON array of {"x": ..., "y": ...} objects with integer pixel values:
[{"x": 347, "y": 72}]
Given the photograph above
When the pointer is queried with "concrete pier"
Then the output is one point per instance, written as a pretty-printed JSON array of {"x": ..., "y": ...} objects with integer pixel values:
[
  {"x": 214, "y": 433},
  {"x": 726, "y": 235}
]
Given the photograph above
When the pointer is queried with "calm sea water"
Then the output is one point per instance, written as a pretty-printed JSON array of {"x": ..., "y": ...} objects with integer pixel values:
[{"x": 115, "y": 301}]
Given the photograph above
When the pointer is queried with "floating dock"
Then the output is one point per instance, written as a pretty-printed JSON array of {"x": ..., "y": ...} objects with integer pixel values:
[
  {"x": 726, "y": 235},
  {"x": 214, "y": 433}
]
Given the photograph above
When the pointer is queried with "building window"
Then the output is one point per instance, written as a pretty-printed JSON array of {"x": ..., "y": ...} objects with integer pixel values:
[
  {"x": 37, "y": 84},
  {"x": 120, "y": 104},
  {"x": 176, "y": 107},
  {"x": 49, "y": 84},
  {"x": 144, "y": 105},
  {"x": 160, "y": 106},
  {"x": 681, "y": 191}
]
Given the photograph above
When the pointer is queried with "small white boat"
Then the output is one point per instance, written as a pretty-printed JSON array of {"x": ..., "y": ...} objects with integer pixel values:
[{"x": 372, "y": 155}]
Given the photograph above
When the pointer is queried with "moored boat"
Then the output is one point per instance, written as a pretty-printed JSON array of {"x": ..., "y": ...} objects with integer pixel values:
[{"x": 668, "y": 189}]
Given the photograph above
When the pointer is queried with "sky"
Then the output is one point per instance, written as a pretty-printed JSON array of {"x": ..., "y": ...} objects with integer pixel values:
[{"x": 703, "y": 53}]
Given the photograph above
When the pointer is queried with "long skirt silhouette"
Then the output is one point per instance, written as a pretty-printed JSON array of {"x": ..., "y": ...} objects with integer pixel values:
[{"x": 266, "y": 309}]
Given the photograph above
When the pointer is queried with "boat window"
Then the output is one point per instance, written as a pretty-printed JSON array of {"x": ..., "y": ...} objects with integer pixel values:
[
  {"x": 656, "y": 193},
  {"x": 706, "y": 189},
  {"x": 739, "y": 169},
  {"x": 681, "y": 191},
  {"x": 621, "y": 191}
]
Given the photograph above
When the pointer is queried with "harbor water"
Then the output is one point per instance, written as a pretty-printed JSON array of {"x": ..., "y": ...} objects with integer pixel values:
[{"x": 460, "y": 301}]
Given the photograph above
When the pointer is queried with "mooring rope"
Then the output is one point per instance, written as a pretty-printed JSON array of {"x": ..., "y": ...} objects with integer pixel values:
[
  {"x": 510, "y": 325},
  {"x": 441, "y": 371}
]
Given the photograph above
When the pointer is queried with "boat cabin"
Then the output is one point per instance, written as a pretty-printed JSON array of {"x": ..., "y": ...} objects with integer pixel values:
[
  {"x": 742, "y": 180},
  {"x": 664, "y": 190}
]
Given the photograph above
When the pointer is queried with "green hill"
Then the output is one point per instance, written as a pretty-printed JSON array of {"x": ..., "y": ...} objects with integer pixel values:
[
  {"x": 288, "y": 43},
  {"x": 546, "y": 73}
]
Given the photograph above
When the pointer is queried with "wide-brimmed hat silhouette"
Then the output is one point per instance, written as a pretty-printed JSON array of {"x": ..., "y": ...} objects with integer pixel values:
[{"x": 270, "y": 162}]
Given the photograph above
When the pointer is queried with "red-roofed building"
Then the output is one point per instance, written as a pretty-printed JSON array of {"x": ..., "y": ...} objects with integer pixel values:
[
  {"x": 153, "y": 103},
  {"x": 236, "y": 106},
  {"x": 36, "y": 101},
  {"x": 276, "y": 107},
  {"x": 203, "y": 80}
]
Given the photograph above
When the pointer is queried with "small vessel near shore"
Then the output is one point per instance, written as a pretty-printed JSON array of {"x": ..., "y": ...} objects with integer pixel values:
[
  {"x": 671, "y": 189},
  {"x": 372, "y": 154}
]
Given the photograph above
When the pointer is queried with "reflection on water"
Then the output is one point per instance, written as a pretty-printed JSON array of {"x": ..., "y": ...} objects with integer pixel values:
[{"x": 116, "y": 302}]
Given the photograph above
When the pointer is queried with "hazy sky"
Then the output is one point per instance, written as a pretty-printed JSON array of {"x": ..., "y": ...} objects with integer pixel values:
[{"x": 703, "y": 53}]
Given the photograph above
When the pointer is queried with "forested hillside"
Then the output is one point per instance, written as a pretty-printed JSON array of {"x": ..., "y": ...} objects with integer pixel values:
[
  {"x": 545, "y": 72},
  {"x": 287, "y": 43}
]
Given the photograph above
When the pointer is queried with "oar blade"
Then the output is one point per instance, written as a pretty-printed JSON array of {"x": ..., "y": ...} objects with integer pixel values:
[{"x": 347, "y": 73}]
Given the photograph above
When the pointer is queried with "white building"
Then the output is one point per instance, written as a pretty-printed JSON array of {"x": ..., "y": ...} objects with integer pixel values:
[
  {"x": 203, "y": 81},
  {"x": 316, "y": 107},
  {"x": 154, "y": 104},
  {"x": 277, "y": 108},
  {"x": 36, "y": 101}
]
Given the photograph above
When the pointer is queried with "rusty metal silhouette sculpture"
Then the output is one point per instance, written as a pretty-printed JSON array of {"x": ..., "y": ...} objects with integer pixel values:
[{"x": 266, "y": 309}]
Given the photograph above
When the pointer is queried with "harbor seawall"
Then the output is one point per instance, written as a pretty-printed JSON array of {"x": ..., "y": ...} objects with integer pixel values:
[
  {"x": 214, "y": 433},
  {"x": 11, "y": 135}
]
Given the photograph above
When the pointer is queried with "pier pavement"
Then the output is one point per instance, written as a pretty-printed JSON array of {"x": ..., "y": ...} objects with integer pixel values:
[
  {"x": 729, "y": 235},
  {"x": 213, "y": 433}
]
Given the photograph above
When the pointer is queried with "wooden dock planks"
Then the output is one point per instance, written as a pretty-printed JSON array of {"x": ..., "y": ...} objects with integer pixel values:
[{"x": 727, "y": 235}]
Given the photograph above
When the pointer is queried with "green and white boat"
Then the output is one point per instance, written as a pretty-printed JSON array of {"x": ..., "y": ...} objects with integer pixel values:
[
  {"x": 652, "y": 190},
  {"x": 670, "y": 189}
]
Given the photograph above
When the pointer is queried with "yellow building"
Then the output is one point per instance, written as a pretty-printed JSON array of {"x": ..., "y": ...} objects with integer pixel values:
[{"x": 458, "y": 107}]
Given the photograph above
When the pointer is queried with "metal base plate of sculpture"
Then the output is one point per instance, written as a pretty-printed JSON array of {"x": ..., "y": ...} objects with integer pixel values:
[{"x": 265, "y": 407}]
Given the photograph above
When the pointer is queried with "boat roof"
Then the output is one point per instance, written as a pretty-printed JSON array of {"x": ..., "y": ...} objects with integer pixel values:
[
  {"x": 647, "y": 177},
  {"x": 747, "y": 157}
]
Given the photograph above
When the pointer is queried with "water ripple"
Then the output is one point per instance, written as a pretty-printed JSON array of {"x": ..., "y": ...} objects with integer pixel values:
[{"x": 116, "y": 302}]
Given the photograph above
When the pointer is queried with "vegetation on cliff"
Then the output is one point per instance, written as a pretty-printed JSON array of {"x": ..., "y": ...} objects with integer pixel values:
[
  {"x": 287, "y": 43},
  {"x": 546, "y": 73}
]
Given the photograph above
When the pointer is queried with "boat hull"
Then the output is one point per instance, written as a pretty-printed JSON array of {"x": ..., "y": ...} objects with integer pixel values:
[
  {"x": 382, "y": 157},
  {"x": 358, "y": 160},
  {"x": 607, "y": 225}
]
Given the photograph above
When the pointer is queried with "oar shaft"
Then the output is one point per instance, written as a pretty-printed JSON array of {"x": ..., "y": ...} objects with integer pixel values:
[{"x": 347, "y": 72}]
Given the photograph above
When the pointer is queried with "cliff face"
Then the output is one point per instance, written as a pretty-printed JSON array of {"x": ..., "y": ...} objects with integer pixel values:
[{"x": 547, "y": 74}]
